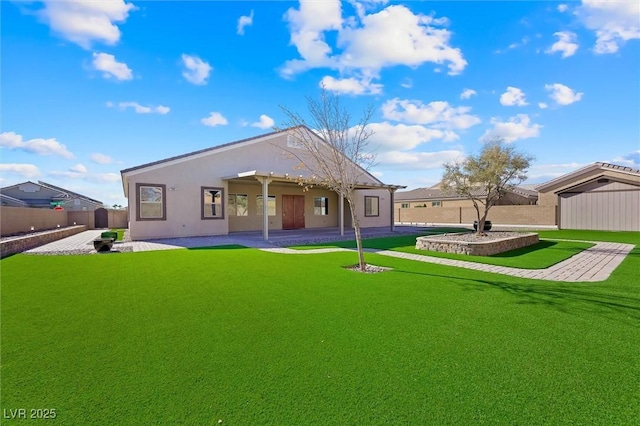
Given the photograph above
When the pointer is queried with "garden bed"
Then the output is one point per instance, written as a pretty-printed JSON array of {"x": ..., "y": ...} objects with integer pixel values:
[{"x": 473, "y": 244}]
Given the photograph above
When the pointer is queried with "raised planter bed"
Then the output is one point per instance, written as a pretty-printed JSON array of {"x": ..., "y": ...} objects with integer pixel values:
[
  {"x": 469, "y": 244},
  {"x": 13, "y": 245}
]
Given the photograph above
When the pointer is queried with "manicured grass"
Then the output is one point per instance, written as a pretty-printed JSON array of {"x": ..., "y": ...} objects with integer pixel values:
[
  {"x": 539, "y": 256},
  {"x": 120, "y": 233},
  {"x": 249, "y": 337}
]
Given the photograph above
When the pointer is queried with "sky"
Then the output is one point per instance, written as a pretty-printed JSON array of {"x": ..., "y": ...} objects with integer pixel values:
[{"x": 90, "y": 88}]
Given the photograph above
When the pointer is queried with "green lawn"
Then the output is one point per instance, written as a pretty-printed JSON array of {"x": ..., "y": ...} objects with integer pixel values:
[
  {"x": 249, "y": 337},
  {"x": 539, "y": 256}
]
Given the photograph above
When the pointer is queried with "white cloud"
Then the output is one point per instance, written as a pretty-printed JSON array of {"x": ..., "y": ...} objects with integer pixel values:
[
  {"x": 141, "y": 109},
  {"x": 562, "y": 8},
  {"x": 542, "y": 105},
  {"x": 630, "y": 160},
  {"x": 39, "y": 146},
  {"x": 544, "y": 172},
  {"x": 96, "y": 157},
  {"x": 401, "y": 137},
  {"x": 84, "y": 22},
  {"x": 214, "y": 119},
  {"x": 513, "y": 97},
  {"x": 74, "y": 172},
  {"x": 197, "y": 71},
  {"x": 107, "y": 177},
  {"x": 110, "y": 67},
  {"x": 562, "y": 94},
  {"x": 368, "y": 43},
  {"x": 244, "y": 21},
  {"x": 566, "y": 44},
  {"x": 407, "y": 83},
  {"x": 25, "y": 170},
  {"x": 265, "y": 122},
  {"x": 614, "y": 22},
  {"x": 518, "y": 127},
  {"x": 351, "y": 86},
  {"x": 419, "y": 160},
  {"x": 78, "y": 168},
  {"x": 467, "y": 93},
  {"x": 438, "y": 114}
]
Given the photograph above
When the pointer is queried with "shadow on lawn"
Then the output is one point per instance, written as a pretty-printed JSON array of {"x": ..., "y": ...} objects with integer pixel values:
[
  {"x": 565, "y": 297},
  {"x": 221, "y": 247}
]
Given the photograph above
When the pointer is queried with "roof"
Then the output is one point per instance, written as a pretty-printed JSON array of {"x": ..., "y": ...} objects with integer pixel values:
[
  {"x": 201, "y": 151},
  {"x": 232, "y": 145},
  {"x": 595, "y": 167},
  {"x": 70, "y": 193},
  {"x": 61, "y": 192},
  {"x": 438, "y": 194},
  {"x": 10, "y": 201}
]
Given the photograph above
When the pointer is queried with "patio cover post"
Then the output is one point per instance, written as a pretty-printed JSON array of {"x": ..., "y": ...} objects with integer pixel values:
[
  {"x": 265, "y": 208},
  {"x": 392, "y": 192},
  {"x": 341, "y": 213}
]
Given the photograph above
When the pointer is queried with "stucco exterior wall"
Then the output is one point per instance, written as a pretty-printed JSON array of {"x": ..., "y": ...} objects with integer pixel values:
[
  {"x": 185, "y": 177},
  {"x": 503, "y": 215},
  {"x": 21, "y": 219}
]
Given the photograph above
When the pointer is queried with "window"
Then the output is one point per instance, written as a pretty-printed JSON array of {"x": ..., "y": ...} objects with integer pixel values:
[
  {"x": 371, "y": 206},
  {"x": 292, "y": 142},
  {"x": 151, "y": 201},
  {"x": 211, "y": 203},
  {"x": 405, "y": 205},
  {"x": 436, "y": 204},
  {"x": 238, "y": 205},
  {"x": 271, "y": 205},
  {"x": 321, "y": 206}
]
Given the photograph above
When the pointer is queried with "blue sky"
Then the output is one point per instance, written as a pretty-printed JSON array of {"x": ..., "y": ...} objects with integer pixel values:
[{"x": 91, "y": 88}]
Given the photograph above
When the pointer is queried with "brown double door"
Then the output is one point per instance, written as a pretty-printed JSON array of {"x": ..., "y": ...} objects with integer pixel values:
[{"x": 292, "y": 211}]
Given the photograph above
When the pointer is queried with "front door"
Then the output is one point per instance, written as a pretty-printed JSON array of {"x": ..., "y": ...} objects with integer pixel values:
[{"x": 292, "y": 211}]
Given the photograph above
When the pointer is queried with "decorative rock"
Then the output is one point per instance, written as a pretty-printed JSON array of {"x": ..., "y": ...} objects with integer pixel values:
[{"x": 471, "y": 244}]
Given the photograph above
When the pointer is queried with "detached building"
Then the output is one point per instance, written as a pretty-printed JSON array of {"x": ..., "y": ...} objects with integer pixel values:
[
  {"x": 600, "y": 196},
  {"x": 45, "y": 196}
]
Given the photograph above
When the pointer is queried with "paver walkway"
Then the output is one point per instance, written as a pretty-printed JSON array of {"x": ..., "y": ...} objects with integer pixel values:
[{"x": 591, "y": 265}]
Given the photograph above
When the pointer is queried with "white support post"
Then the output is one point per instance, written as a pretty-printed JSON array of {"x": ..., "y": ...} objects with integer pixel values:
[
  {"x": 265, "y": 208},
  {"x": 392, "y": 192},
  {"x": 341, "y": 213}
]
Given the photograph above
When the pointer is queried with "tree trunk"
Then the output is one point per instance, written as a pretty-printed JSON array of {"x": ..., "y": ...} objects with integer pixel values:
[{"x": 356, "y": 227}]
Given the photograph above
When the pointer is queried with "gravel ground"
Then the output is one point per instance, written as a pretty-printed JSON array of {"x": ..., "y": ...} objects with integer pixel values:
[{"x": 473, "y": 237}]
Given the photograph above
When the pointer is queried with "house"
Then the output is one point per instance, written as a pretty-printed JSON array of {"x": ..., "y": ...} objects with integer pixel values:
[
  {"x": 436, "y": 197},
  {"x": 600, "y": 196},
  {"x": 247, "y": 185},
  {"x": 45, "y": 195}
]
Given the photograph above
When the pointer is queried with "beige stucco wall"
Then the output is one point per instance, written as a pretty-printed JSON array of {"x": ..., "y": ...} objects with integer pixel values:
[
  {"x": 185, "y": 177},
  {"x": 21, "y": 219},
  {"x": 503, "y": 215}
]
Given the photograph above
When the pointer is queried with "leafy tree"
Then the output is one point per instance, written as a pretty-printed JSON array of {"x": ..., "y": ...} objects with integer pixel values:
[
  {"x": 333, "y": 161},
  {"x": 487, "y": 177}
]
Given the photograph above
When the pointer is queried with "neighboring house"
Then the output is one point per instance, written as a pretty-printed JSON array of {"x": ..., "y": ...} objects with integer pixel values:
[
  {"x": 436, "y": 197},
  {"x": 43, "y": 195},
  {"x": 223, "y": 189},
  {"x": 600, "y": 196}
]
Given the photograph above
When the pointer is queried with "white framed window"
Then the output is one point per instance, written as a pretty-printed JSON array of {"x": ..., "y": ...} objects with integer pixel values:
[
  {"x": 405, "y": 205},
  {"x": 436, "y": 204},
  {"x": 271, "y": 205}
]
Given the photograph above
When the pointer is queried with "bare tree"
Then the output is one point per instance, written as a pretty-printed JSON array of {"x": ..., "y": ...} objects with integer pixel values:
[
  {"x": 332, "y": 150},
  {"x": 487, "y": 177}
]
